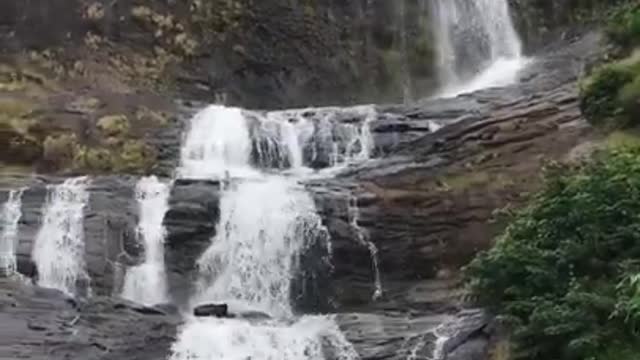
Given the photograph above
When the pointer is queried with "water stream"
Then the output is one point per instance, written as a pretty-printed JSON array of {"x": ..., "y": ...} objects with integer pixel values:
[
  {"x": 267, "y": 221},
  {"x": 226, "y": 141},
  {"x": 363, "y": 239},
  {"x": 147, "y": 282},
  {"x": 58, "y": 251},
  {"x": 478, "y": 46},
  {"x": 9, "y": 217}
]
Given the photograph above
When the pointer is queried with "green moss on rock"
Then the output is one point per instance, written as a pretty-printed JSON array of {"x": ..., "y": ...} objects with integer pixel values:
[
  {"x": 58, "y": 150},
  {"x": 114, "y": 125},
  {"x": 131, "y": 156}
]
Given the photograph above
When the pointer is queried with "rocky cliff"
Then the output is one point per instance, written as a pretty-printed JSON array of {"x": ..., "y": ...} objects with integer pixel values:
[
  {"x": 102, "y": 82},
  {"x": 427, "y": 204}
]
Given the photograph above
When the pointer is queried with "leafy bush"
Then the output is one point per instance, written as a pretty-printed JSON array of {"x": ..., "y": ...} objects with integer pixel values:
[
  {"x": 624, "y": 26},
  {"x": 599, "y": 98},
  {"x": 114, "y": 125},
  {"x": 564, "y": 272},
  {"x": 58, "y": 150},
  {"x": 629, "y": 98}
]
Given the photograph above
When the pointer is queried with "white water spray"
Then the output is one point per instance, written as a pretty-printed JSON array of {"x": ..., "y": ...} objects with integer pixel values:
[
  {"x": 217, "y": 142},
  {"x": 10, "y": 216},
  {"x": 147, "y": 282},
  {"x": 264, "y": 226},
  {"x": 478, "y": 45},
  {"x": 362, "y": 237},
  {"x": 239, "y": 142},
  {"x": 266, "y": 223},
  {"x": 59, "y": 247}
]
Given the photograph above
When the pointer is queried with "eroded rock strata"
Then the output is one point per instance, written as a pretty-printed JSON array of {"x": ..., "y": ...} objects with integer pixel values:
[{"x": 426, "y": 202}]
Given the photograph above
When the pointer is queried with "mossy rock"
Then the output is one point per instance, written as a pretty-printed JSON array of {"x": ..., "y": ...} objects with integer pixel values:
[
  {"x": 93, "y": 159},
  {"x": 134, "y": 157},
  {"x": 114, "y": 125},
  {"x": 131, "y": 157},
  {"x": 84, "y": 105},
  {"x": 148, "y": 117},
  {"x": 59, "y": 150}
]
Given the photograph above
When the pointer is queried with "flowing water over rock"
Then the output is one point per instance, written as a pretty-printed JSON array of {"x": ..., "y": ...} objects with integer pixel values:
[
  {"x": 478, "y": 46},
  {"x": 225, "y": 141},
  {"x": 264, "y": 227},
  {"x": 249, "y": 215},
  {"x": 267, "y": 221},
  {"x": 147, "y": 283},
  {"x": 362, "y": 237},
  {"x": 10, "y": 215},
  {"x": 59, "y": 247}
]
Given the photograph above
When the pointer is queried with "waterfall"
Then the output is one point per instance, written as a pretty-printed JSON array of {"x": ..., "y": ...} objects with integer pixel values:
[
  {"x": 58, "y": 251},
  {"x": 267, "y": 220},
  {"x": 362, "y": 237},
  {"x": 218, "y": 140},
  {"x": 265, "y": 225},
  {"x": 147, "y": 283},
  {"x": 478, "y": 46},
  {"x": 231, "y": 141},
  {"x": 10, "y": 215}
]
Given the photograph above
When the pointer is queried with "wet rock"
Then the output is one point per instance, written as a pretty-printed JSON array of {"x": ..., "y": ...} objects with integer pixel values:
[
  {"x": 160, "y": 309},
  {"x": 253, "y": 315},
  {"x": 190, "y": 223},
  {"x": 41, "y": 325},
  {"x": 212, "y": 310}
]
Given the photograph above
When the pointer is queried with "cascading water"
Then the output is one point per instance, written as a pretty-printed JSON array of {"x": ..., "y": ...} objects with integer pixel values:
[
  {"x": 231, "y": 141},
  {"x": 59, "y": 247},
  {"x": 354, "y": 216},
  {"x": 147, "y": 282},
  {"x": 218, "y": 142},
  {"x": 11, "y": 213},
  {"x": 264, "y": 227},
  {"x": 266, "y": 222},
  {"x": 478, "y": 46}
]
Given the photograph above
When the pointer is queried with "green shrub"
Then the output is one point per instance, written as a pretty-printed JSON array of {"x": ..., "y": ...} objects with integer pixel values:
[
  {"x": 93, "y": 159},
  {"x": 624, "y": 26},
  {"x": 114, "y": 125},
  {"x": 629, "y": 99},
  {"x": 599, "y": 98},
  {"x": 134, "y": 157},
  {"x": 559, "y": 273},
  {"x": 58, "y": 150}
]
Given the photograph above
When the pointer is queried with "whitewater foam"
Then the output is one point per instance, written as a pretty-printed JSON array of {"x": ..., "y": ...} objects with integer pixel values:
[
  {"x": 58, "y": 251},
  {"x": 10, "y": 216},
  {"x": 147, "y": 282},
  {"x": 478, "y": 46}
]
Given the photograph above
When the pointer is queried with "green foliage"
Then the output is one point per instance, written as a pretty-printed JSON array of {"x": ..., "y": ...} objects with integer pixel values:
[
  {"x": 607, "y": 97},
  {"x": 564, "y": 272},
  {"x": 629, "y": 98},
  {"x": 58, "y": 150},
  {"x": 624, "y": 26},
  {"x": 131, "y": 156},
  {"x": 113, "y": 125},
  {"x": 93, "y": 159}
]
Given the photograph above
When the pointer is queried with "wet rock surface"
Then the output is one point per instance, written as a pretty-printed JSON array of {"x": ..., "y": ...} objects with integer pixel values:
[
  {"x": 426, "y": 202},
  {"x": 45, "y": 324}
]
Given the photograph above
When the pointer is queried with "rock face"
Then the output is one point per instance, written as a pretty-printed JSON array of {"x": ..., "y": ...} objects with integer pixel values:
[
  {"x": 44, "y": 324},
  {"x": 214, "y": 310},
  {"x": 426, "y": 203},
  {"x": 191, "y": 224},
  {"x": 268, "y": 54}
]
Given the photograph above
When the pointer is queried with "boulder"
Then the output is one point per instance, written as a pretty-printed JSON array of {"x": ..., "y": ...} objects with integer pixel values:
[{"x": 212, "y": 310}]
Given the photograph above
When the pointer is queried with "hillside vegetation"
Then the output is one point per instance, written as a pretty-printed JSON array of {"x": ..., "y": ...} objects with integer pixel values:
[{"x": 564, "y": 275}]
